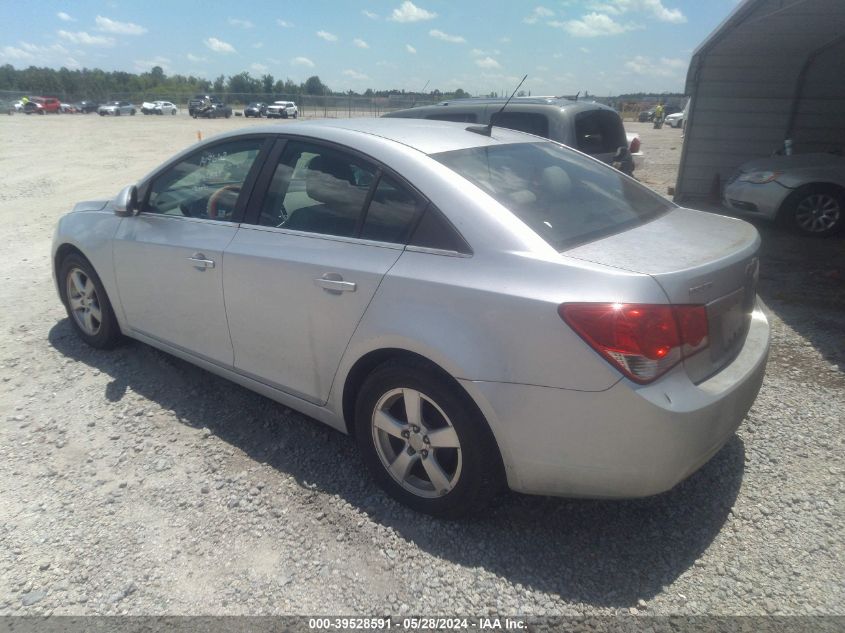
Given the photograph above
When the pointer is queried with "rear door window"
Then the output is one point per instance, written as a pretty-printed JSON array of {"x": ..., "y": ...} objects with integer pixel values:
[{"x": 391, "y": 213}]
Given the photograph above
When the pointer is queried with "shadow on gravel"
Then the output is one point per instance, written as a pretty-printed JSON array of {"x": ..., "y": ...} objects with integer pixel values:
[{"x": 603, "y": 553}]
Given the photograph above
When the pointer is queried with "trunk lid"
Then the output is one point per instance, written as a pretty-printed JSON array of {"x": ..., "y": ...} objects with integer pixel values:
[{"x": 697, "y": 258}]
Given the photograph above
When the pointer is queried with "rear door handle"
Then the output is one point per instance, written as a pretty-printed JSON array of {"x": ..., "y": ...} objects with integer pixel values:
[
  {"x": 199, "y": 260},
  {"x": 333, "y": 283}
]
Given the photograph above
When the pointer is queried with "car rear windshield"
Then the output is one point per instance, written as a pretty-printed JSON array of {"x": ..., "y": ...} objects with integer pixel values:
[{"x": 567, "y": 198}]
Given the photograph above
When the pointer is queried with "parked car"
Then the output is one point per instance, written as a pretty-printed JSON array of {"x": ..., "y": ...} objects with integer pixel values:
[
  {"x": 87, "y": 107},
  {"x": 158, "y": 107},
  {"x": 476, "y": 310},
  {"x": 647, "y": 116},
  {"x": 255, "y": 109},
  {"x": 217, "y": 111},
  {"x": 17, "y": 106},
  {"x": 282, "y": 110},
  {"x": 42, "y": 105},
  {"x": 68, "y": 108},
  {"x": 804, "y": 191},
  {"x": 675, "y": 119},
  {"x": 592, "y": 128},
  {"x": 116, "y": 108},
  {"x": 195, "y": 104}
]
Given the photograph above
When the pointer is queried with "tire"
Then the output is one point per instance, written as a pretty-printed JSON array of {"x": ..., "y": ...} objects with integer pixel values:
[
  {"x": 467, "y": 465},
  {"x": 132, "y": 112},
  {"x": 173, "y": 112},
  {"x": 82, "y": 305},
  {"x": 816, "y": 210}
]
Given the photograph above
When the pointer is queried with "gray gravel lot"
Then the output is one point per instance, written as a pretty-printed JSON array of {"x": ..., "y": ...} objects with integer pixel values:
[{"x": 133, "y": 482}]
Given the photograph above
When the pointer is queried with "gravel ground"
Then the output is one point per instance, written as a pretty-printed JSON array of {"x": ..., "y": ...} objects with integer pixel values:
[{"x": 133, "y": 482}]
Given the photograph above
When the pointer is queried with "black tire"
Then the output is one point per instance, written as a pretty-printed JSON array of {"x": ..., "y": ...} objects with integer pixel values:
[
  {"x": 108, "y": 334},
  {"x": 480, "y": 476},
  {"x": 792, "y": 213},
  {"x": 132, "y": 112}
]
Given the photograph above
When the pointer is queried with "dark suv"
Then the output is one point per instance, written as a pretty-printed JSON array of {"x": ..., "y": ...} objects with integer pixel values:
[
  {"x": 218, "y": 108},
  {"x": 591, "y": 128}
]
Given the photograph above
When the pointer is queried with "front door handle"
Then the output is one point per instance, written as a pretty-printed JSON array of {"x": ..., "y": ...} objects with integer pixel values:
[
  {"x": 199, "y": 260},
  {"x": 333, "y": 283}
]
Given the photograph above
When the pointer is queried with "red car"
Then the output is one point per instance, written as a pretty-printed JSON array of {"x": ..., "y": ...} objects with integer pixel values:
[{"x": 40, "y": 105}]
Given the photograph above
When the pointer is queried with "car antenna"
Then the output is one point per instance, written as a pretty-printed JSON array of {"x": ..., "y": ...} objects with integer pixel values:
[
  {"x": 414, "y": 102},
  {"x": 487, "y": 130}
]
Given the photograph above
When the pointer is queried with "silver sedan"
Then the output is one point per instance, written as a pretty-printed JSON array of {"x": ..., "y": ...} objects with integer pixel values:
[
  {"x": 478, "y": 308},
  {"x": 803, "y": 191}
]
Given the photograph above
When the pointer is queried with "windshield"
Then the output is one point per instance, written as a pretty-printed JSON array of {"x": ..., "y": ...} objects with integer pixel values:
[{"x": 567, "y": 198}]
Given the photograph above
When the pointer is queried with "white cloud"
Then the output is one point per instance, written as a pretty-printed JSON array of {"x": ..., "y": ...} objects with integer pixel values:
[
  {"x": 487, "y": 62},
  {"x": 410, "y": 49},
  {"x": 81, "y": 37},
  {"x": 583, "y": 49},
  {"x": 259, "y": 68},
  {"x": 477, "y": 52},
  {"x": 370, "y": 14},
  {"x": 653, "y": 7},
  {"x": 593, "y": 25},
  {"x": 241, "y": 24},
  {"x": 409, "y": 12},
  {"x": 664, "y": 67},
  {"x": 196, "y": 58},
  {"x": 121, "y": 28},
  {"x": 505, "y": 40},
  {"x": 219, "y": 46},
  {"x": 537, "y": 14},
  {"x": 64, "y": 17},
  {"x": 284, "y": 24},
  {"x": 440, "y": 35},
  {"x": 30, "y": 52},
  {"x": 360, "y": 43},
  {"x": 354, "y": 74},
  {"x": 302, "y": 61},
  {"x": 258, "y": 45},
  {"x": 325, "y": 35}
]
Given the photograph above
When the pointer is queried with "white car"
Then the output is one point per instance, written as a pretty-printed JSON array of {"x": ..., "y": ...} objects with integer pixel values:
[
  {"x": 18, "y": 106},
  {"x": 158, "y": 107},
  {"x": 675, "y": 120},
  {"x": 282, "y": 110}
]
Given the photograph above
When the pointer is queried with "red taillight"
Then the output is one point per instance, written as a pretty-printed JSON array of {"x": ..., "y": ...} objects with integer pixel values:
[
  {"x": 635, "y": 145},
  {"x": 643, "y": 341}
]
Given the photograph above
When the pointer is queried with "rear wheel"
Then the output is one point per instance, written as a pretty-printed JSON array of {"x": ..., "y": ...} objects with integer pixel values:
[
  {"x": 86, "y": 302},
  {"x": 816, "y": 210},
  {"x": 424, "y": 442}
]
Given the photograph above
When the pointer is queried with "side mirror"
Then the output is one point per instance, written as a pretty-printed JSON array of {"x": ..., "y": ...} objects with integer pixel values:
[{"x": 126, "y": 202}]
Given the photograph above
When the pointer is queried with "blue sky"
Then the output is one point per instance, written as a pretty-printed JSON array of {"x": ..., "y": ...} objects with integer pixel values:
[{"x": 565, "y": 46}]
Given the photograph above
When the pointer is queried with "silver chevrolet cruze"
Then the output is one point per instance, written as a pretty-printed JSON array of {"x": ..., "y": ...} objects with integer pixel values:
[{"x": 478, "y": 307}]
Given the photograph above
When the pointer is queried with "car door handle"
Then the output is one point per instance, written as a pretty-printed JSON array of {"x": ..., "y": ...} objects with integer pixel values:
[
  {"x": 198, "y": 260},
  {"x": 333, "y": 283}
]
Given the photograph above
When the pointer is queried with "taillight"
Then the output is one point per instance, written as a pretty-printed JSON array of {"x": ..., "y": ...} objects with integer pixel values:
[
  {"x": 643, "y": 341},
  {"x": 635, "y": 145}
]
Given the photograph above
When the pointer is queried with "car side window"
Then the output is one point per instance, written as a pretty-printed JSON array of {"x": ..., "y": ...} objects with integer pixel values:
[
  {"x": 391, "y": 213},
  {"x": 530, "y": 122},
  {"x": 435, "y": 231},
  {"x": 457, "y": 117},
  {"x": 207, "y": 183},
  {"x": 317, "y": 189}
]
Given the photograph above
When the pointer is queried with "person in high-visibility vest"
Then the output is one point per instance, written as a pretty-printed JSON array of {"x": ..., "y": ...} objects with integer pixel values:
[{"x": 658, "y": 113}]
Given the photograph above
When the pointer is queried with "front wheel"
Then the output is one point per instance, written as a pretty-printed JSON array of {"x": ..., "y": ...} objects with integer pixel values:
[
  {"x": 424, "y": 442},
  {"x": 815, "y": 210},
  {"x": 87, "y": 304}
]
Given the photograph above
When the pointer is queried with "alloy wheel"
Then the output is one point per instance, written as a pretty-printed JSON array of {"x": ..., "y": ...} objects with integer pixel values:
[
  {"x": 84, "y": 302},
  {"x": 416, "y": 443},
  {"x": 818, "y": 213}
]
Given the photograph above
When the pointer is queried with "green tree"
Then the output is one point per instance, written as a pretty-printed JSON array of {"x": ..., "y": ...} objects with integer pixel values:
[
  {"x": 267, "y": 83},
  {"x": 313, "y": 86}
]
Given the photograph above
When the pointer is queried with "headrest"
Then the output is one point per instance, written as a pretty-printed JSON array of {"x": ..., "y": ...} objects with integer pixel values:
[
  {"x": 555, "y": 183},
  {"x": 329, "y": 180}
]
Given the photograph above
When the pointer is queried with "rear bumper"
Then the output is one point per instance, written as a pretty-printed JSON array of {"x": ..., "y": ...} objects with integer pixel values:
[{"x": 627, "y": 441}]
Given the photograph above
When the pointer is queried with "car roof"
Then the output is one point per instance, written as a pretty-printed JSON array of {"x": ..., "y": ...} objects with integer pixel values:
[{"x": 424, "y": 135}]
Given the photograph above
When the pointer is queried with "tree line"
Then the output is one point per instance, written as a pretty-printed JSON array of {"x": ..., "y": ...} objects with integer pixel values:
[{"x": 93, "y": 83}]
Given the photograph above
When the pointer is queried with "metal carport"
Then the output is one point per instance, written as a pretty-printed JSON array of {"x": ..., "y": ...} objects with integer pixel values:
[{"x": 773, "y": 70}]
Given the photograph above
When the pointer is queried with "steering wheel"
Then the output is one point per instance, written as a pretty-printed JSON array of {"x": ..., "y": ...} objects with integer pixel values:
[{"x": 214, "y": 200}]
